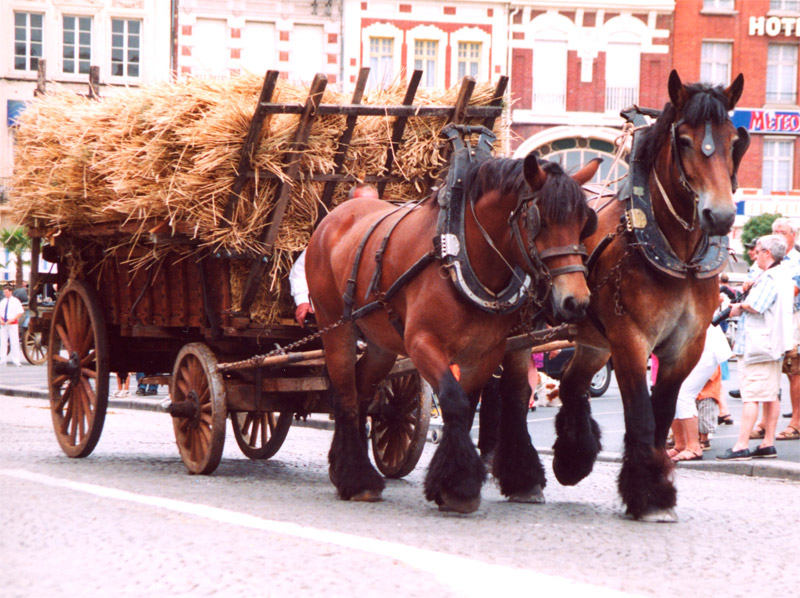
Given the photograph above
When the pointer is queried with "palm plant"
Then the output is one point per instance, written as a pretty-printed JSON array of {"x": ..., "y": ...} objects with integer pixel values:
[{"x": 17, "y": 242}]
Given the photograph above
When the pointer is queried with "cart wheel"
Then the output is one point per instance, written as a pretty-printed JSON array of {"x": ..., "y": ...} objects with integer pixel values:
[
  {"x": 400, "y": 424},
  {"x": 77, "y": 369},
  {"x": 198, "y": 408},
  {"x": 260, "y": 434},
  {"x": 34, "y": 346}
]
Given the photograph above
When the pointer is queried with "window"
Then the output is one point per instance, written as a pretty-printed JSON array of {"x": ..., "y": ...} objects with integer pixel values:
[
  {"x": 781, "y": 73},
  {"x": 776, "y": 173},
  {"x": 210, "y": 53},
  {"x": 258, "y": 47},
  {"x": 718, "y": 4},
  {"x": 381, "y": 56},
  {"x": 77, "y": 45},
  {"x": 622, "y": 75},
  {"x": 785, "y": 5},
  {"x": 27, "y": 40},
  {"x": 425, "y": 51},
  {"x": 469, "y": 59},
  {"x": 549, "y": 75},
  {"x": 125, "y": 43},
  {"x": 715, "y": 63},
  {"x": 306, "y": 63},
  {"x": 574, "y": 153}
]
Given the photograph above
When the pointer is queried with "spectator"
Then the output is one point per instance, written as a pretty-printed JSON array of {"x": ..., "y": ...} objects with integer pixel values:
[
  {"x": 685, "y": 427},
  {"x": 764, "y": 335},
  {"x": 708, "y": 408},
  {"x": 10, "y": 311},
  {"x": 145, "y": 390},
  {"x": 791, "y": 362},
  {"x": 123, "y": 385}
]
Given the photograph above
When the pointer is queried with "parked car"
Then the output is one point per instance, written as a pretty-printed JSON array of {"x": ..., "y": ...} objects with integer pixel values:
[{"x": 554, "y": 367}]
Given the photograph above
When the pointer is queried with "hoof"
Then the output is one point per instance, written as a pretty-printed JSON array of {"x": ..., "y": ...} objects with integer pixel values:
[
  {"x": 533, "y": 496},
  {"x": 452, "y": 504},
  {"x": 368, "y": 496},
  {"x": 660, "y": 516}
]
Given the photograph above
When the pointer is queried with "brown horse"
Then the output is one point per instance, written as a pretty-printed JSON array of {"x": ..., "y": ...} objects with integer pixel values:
[
  {"x": 455, "y": 344},
  {"x": 641, "y": 305}
]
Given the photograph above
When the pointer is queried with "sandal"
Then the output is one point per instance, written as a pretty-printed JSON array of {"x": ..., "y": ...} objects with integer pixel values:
[
  {"x": 790, "y": 433},
  {"x": 725, "y": 420},
  {"x": 758, "y": 433},
  {"x": 705, "y": 445},
  {"x": 673, "y": 452},
  {"x": 687, "y": 455}
]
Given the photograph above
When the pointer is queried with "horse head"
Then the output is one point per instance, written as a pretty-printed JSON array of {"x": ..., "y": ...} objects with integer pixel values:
[
  {"x": 557, "y": 219},
  {"x": 703, "y": 152}
]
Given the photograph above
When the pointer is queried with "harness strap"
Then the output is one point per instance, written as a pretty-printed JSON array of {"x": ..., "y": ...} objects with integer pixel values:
[
  {"x": 376, "y": 276},
  {"x": 350, "y": 290}
]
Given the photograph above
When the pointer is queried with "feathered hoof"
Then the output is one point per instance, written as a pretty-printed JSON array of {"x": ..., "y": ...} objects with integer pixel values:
[
  {"x": 453, "y": 504},
  {"x": 533, "y": 496},
  {"x": 659, "y": 516},
  {"x": 368, "y": 496}
]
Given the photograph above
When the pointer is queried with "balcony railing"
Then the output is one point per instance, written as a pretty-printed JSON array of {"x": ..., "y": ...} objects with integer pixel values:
[
  {"x": 544, "y": 101},
  {"x": 618, "y": 98}
]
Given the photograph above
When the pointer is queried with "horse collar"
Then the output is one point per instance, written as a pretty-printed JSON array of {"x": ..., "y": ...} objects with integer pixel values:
[{"x": 450, "y": 242}]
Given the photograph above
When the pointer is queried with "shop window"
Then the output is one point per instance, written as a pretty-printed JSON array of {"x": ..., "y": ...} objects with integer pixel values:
[
  {"x": 715, "y": 63},
  {"x": 776, "y": 171},
  {"x": 782, "y": 73},
  {"x": 28, "y": 29}
]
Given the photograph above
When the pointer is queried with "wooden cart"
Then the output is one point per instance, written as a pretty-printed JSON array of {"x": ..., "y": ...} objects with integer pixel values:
[{"x": 178, "y": 318}]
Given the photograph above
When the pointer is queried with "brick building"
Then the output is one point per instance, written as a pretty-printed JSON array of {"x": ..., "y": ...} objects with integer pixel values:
[{"x": 760, "y": 38}]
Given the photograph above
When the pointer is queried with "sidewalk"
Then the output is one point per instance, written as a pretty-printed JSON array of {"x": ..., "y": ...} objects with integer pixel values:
[{"x": 31, "y": 382}]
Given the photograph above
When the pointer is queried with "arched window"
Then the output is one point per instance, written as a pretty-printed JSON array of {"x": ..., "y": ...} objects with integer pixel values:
[{"x": 574, "y": 152}]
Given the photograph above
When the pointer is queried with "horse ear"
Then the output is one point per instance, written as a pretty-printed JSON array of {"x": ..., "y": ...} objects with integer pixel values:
[
  {"x": 734, "y": 91},
  {"x": 677, "y": 92},
  {"x": 585, "y": 174},
  {"x": 534, "y": 175}
]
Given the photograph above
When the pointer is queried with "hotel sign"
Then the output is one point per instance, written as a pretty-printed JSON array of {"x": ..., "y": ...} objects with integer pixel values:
[
  {"x": 768, "y": 121},
  {"x": 774, "y": 26}
]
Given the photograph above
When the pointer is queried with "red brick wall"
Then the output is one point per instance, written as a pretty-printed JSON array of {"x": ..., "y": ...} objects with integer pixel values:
[{"x": 521, "y": 78}]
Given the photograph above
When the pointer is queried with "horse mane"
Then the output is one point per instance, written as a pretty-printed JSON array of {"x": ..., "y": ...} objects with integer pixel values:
[
  {"x": 559, "y": 198},
  {"x": 706, "y": 102}
]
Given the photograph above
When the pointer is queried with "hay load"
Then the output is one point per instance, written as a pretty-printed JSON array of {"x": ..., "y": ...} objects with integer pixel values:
[{"x": 169, "y": 154}]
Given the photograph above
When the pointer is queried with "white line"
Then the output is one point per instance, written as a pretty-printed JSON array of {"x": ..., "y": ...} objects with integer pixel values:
[{"x": 467, "y": 576}]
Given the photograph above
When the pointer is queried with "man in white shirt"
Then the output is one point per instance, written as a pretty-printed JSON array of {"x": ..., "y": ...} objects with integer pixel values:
[{"x": 10, "y": 312}]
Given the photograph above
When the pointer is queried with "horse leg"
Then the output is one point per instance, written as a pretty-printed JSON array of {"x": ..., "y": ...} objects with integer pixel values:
[
  {"x": 350, "y": 469},
  {"x": 456, "y": 472},
  {"x": 516, "y": 464},
  {"x": 489, "y": 418},
  {"x": 577, "y": 433},
  {"x": 371, "y": 369},
  {"x": 645, "y": 480}
]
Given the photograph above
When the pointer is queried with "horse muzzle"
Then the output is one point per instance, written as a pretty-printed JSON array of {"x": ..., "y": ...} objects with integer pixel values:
[
  {"x": 716, "y": 220},
  {"x": 569, "y": 307}
]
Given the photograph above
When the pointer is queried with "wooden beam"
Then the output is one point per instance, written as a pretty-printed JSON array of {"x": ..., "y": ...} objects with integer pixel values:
[
  {"x": 256, "y": 124},
  {"x": 94, "y": 82},
  {"x": 376, "y": 110},
  {"x": 41, "y": 78},
  {"x": 291, "y": 168},
  {"x": 399, "y": 126},
  {"x": 499, "y": 93},
  {"x": 344, "y": 142}
]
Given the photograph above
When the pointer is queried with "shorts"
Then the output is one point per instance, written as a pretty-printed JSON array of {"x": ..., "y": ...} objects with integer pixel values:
[
  {"x": 707, "y": 412},
  {"x": 760, "y": 382},
  {"x": 791, "y": 363}
]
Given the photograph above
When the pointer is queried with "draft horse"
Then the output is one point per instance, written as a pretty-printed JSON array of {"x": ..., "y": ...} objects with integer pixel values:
[
  {"x": 522, "y": 221},
  {"x": 653, "y": 276}
]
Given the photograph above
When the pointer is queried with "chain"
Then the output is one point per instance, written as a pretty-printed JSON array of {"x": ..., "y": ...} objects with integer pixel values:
[
  {"x": 617, "y": 272},
  {"x": 280, "y": 350}
]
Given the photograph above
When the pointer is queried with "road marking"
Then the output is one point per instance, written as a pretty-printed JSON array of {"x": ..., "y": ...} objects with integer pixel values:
[{"x": 468, "y": 577}]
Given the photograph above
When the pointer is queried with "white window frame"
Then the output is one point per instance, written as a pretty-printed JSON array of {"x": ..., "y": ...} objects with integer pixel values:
[
  {"x": 550, "y": 97},
  {"x": 426, "y": 58},
  {"x": 382, "y": 30},
  {"x": 773, "y": 144},
  {"x": 428, "y": 33},
  {"x": 297, "y": 53},
  {"x": 715, "y": 59},
  {"x": 29, "y": 43},
  {"x": 475, "y": 36},
  {"x": 125, "y": 48},
  {"x": 781, "y": 6},
  {"x": 718, "y": 5},
  {"x": 272, "y": 52},
  {"x": 786, "y": 65},
  {"x": 76, "y": 45}
]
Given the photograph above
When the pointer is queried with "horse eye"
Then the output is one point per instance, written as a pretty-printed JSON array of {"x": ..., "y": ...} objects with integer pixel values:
[{"x": 685, "y": 142}]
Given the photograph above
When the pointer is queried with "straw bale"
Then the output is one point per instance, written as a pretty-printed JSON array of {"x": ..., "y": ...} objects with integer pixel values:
[{"x": 170, "y": 152}]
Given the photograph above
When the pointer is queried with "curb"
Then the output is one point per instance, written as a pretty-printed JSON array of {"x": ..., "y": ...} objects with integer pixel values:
[{"x": 759, "y": 468}]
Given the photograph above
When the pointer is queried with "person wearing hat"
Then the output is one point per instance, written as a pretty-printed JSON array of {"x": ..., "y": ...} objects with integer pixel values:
[{"x": 10, "y": 311}]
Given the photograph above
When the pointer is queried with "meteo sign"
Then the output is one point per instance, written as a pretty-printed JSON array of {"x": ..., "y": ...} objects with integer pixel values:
[
  {"x": 768, "y": 121},
  {"x": 773, "y": 26}
]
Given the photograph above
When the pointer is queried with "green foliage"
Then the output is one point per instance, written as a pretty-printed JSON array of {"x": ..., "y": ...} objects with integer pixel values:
[
  {"x": 756, "y": 227},
  {"x": 16, "y": 241}
]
